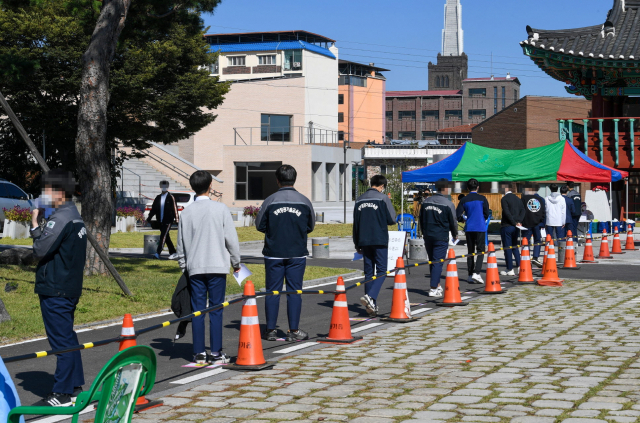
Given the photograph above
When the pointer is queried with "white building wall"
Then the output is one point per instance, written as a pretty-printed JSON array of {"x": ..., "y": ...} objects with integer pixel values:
[{"x": 321, "y": 89}]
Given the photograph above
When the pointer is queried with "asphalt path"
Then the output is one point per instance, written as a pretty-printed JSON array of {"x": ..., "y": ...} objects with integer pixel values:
[{"x": 34, "y": 377}]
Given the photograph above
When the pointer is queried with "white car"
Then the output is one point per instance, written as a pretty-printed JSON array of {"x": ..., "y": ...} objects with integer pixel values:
[
  {"x": 183, "y": 199},
  {"x": 10, "y": 196}
]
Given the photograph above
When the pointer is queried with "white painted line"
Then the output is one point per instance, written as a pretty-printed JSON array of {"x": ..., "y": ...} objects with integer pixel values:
[
  {"x": 199, "y": 376},
  {"x": 296, "y": 348},
  {"x": 465, "y": 298},
  {"x": 420, "y": 310},
  {"x": 365, "y": 327},
  {"x": 54, "y": 419}
]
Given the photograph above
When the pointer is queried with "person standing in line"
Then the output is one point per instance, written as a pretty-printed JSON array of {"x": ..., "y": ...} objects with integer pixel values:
[
  {"x": 165, "y": 208},
  {"x": 512, "y": 215},
  {"x": 207, "y": 244},
  {"x": 570, "y": 210},
  {"x": 438, "y": 219},
  {"x": 534, "y": 217},
  {"x": 285, "y": 218},
  {"x": 556, "y": 213},
  {"x": 372, "y": 215},
  {"x": 476, "y": 209},
  {"x": 61, "y": 247},
  {"x": 577, "y": 207}
]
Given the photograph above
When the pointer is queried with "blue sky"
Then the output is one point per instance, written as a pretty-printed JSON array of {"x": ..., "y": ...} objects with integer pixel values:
[{"x": 404, "y": 35}]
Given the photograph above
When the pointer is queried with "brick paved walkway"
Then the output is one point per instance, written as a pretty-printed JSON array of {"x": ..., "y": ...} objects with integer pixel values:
[{"x": 534, "y": 355}]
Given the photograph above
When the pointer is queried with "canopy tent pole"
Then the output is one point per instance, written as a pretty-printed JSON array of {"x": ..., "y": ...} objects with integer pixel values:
[
  {"x": 611, "y": 204},
  {"x": 402, "y": 200},
  {"x": 626, "y": 207}
]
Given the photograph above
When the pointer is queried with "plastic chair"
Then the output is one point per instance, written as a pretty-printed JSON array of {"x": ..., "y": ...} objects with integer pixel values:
[
  {"x": 128, "y": 375},
  {"x": 406, "y": 222}
]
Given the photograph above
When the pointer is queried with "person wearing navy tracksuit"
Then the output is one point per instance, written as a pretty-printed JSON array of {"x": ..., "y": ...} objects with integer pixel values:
[
  {"x": 372, "y": 214},
  {"x": 285, "y": 218},
  {"x": 476, "y": 208},
  {"x": 577, "y": 208},
  {"x": 61, "y": 247},
  {"x": 570, "y": 211},
  {"x": 438, "y": 219}
]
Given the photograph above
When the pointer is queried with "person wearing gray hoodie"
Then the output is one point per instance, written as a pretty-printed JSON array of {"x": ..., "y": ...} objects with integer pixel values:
[{"x": 556, "y": 213}]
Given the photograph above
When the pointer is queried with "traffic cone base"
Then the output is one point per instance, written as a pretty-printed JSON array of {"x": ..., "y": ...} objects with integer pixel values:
[
  {"x": 400, "y": 305},
  {"x": 340, "y": 328},
  {"x": 452, "y": 296},
  {"x": 250, "y": 354}
]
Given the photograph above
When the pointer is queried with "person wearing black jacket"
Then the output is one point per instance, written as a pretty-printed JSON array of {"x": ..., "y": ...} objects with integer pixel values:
[
  {"x": 372, "y": 214},
  {"x": 61, "y": 247},
  {"x": 512, "y": 215},
  {"x": 577, "y": 208},
  {"x": 534, "y": 217},
  {"x": 285, "y": 218},
  {"x": 438, "y": 219},
  {"x": 165, "y": 208}
]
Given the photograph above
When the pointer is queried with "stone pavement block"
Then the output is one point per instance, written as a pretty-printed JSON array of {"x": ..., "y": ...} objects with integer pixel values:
[
  {"x": 461, "y": 399},
  {"x": 280, "y": 415},
  {"x": 220, "y": 420},
  {"x": 371, "y": 420},
  {"x": 387, "y": 412},
  {"x": 175, "y": 402},
  {"x": 258, "y": 405},
  {"x": 600, "y": 406},
  {"x": 585, "y": 413},
  {"x": 583, "y": 420},
  {"x": 297, "y": 407},
  {"x": 211, "y": 404},
  {"x": 332, "y": 417},
  {"x": 622, "y": 419},
  {"x": 533, "y": 419},
  {"x": 552, "y": 404},
  {"x": 434, "y": 415},
  {"x": 231, "y": 412}
]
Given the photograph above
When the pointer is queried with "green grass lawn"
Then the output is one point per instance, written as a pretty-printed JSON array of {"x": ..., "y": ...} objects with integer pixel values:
[{"x": 151, "y": 281}]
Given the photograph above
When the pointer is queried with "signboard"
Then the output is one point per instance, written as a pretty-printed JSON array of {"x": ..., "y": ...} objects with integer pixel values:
[{"x": 397, "y": 242}]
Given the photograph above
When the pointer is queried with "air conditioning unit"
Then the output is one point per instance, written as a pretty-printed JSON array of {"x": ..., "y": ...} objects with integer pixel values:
[{"x": 297, "y": 64}]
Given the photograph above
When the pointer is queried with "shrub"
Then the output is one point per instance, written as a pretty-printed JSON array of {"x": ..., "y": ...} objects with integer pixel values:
[
  {"x": 129, "y": 212},
  {"x": 251, "y": 211},
  {"x": 17, "y": 214}
]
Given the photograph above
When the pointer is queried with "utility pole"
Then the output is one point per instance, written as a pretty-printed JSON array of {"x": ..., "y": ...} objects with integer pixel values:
[{"x": 344, "y": 177}]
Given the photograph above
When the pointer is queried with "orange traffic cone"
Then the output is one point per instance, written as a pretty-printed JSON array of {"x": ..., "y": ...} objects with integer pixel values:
[
  {"x": 250, "y": 355},
  {"x": 546, "y": 251},
  {"x": 452, "y": 284},
  {"x": 570, "y": 254},
  {"x": 128, "y": 333},
  {"x": 526, "y": 273},
  {"x": 550, "y": 275},
  {"x": 604, "y": 247},
  {"x": 616, "y": 248},
  {"x": 630, "y": 244},
  {"x": 340, "y": 330},
  {"x": 400, "y": 305},
  {"x": 492, "y": 276},
  {"x": 587, "y": 257}
]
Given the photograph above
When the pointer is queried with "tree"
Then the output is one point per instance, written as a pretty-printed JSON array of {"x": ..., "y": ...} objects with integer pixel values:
[{"x": 89, "y": 76}]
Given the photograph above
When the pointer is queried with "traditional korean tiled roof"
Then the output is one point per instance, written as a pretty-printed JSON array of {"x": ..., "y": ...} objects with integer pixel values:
[{"x": 617, "y": 38}]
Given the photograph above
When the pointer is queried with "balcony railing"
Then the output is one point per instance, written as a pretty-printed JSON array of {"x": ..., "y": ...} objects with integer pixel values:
[
  {"x": 265, "y": 135},
  {"x": 406, "y": 151},
  {"x": 609, "y": 140}
]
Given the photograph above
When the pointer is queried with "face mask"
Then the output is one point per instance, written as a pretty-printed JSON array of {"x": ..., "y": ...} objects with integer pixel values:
[
  {"x": 45, "y": 200},
  {"x": 165, "y": 189}
]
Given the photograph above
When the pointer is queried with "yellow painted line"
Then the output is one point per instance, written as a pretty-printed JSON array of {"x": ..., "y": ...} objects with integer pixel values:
[
  {"x": 165, "y": 324},
  {"x": 88, "y": 345},
  {"x": 41, "y": 354}
]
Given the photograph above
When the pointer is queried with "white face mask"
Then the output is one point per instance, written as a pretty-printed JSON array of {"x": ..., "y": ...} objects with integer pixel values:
[
  {"x": 165, "y": 189},
  {"x": 45, "y": 200}
]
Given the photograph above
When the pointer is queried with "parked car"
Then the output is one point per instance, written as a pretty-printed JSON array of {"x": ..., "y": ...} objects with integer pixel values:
[
  {"x": 12, "y": 195},
  {"x": 183, "y": 199}
]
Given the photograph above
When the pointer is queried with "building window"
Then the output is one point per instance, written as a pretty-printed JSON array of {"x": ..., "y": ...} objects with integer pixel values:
[
  {"x": 430, "y": 114},
  {"x": 495, "y": 100},
  {"x": 452, "y": 114},
  {"x": 437, "y": 82},
  {"x": 515, "y": 95},
  {"x": 407, "y": 115},
  {"x": 407, "y": 135},
  {"x": 383, "y": 169},
  {"x": 429, "y": 135},
  {"x": 388, "y": 135},
  {"x": 356, "y": 81},
  {"x": 446, "y": 82},
  {"x": 267, "y": 60},
  {"x": 478, "y": 114},
  {"x": 340, "y": 135},
  {"x": 340, "y": 98},
  {"x": 340, "y": 117},
  {"x": 477, "y": 92},
  {"x": 293, "y": 60},
  {"x": 504, "y": 100},
  {"x": 275, "y": 128},
  {"x": 214, "y": 68},
  {"x": 256, "y": 180},
  {"x": 389, "y": 115},
  {"x": 236, "y": 60}
]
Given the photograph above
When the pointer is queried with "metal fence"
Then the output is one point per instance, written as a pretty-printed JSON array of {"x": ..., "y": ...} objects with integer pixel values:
[{"x": 268, "y": 135}]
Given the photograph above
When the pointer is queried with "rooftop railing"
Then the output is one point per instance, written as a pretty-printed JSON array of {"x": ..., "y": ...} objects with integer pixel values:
[{"x": 269, "y": 135}]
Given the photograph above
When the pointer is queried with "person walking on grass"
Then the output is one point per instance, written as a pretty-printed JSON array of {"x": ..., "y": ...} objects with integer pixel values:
[
  {"x": 165, "y": 208},
  {"x": 372, "y": 215},
  {"x": 476, "y": 209},
  {"x": 61, "y": 247},
  {"x": 207, "y": 245},
  {"x": 285, "y": 218},
  {"x": 438, "y": 219},
  {"x": 512, "y": 216}
]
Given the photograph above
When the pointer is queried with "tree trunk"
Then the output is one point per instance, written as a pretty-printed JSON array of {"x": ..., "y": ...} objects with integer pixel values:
[{"x": 92, "y": 155}]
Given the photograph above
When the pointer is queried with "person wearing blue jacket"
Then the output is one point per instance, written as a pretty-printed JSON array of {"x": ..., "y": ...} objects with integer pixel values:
[
  {"x": 476, "y": 208},
  {"x": 372, "y": 214},
  {"x": 570, "y": 211},
  {"x": 285, "y": 218}
]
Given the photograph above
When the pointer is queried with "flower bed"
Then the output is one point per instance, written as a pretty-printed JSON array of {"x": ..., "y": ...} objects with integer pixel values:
[
  {"x": 127, "y": 219},
  {"x": 16, "y": 222}
]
